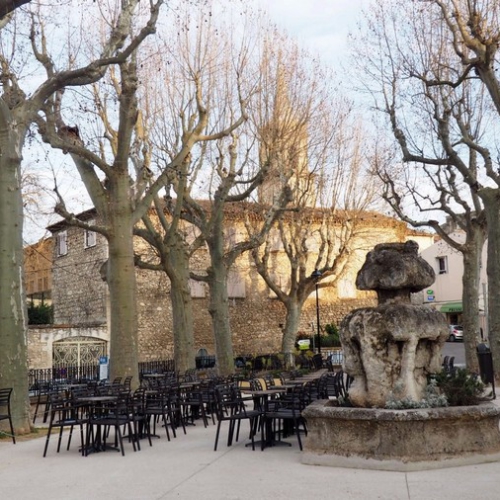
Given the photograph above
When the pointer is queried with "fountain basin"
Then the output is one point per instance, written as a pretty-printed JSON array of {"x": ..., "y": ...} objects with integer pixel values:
[{"x": 401, "y": 440}]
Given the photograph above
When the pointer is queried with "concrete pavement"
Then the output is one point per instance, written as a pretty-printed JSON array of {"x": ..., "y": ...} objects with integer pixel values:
[{"x": 188, "y": 468}]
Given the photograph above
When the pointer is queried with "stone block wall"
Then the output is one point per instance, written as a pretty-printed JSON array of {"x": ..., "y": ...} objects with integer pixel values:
[{"x": 79, "y": 293}]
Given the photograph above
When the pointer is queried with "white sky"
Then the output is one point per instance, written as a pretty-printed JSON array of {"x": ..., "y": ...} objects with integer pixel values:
[{"x": 321, "y": 25}]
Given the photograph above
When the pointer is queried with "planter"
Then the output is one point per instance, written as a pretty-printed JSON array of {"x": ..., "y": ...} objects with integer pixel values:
[{"x": 401, "y": 440}]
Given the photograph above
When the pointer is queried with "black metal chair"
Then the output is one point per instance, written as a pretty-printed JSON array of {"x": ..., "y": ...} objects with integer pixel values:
[
  {"x": 230, "y": 407},
  {"x": 5, "y": 413},
  {"x": 113, "y": 412},
  {"x": 284, "y": 415},
  {"x": 64, "y": 412},
  {"x": 42, "y": 399}
]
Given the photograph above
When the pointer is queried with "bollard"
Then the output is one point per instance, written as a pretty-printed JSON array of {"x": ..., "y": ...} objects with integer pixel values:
[{"x": 485, "y": 360}]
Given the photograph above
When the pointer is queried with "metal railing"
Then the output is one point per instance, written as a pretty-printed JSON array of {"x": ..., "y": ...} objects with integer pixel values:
[{"x": 74, "y": 374}]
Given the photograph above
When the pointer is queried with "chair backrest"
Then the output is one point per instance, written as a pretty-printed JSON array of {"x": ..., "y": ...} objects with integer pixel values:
[
  {"x": 127, "y": 382},
  {"x": 5, "y": 397}
]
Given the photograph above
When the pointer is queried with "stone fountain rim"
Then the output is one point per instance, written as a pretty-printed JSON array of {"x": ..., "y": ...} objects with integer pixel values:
[
  {"x": 330, "y": 408},
  {"x": 381, "y": 439}
]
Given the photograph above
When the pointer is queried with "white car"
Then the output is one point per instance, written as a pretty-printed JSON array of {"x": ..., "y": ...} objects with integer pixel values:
[{"x": 456, "y": 333}]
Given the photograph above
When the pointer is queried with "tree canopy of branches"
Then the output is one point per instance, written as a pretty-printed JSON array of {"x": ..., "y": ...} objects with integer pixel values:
[
  {"x": 25, "y": 49},
  {"x": 433, "y": 76}
]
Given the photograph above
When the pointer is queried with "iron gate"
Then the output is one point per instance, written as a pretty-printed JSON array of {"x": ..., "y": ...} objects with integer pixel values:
[{"x": 83, "y": 353}]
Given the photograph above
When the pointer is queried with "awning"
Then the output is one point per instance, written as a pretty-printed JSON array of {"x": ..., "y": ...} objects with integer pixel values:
[{"x": 452, "y": 307}]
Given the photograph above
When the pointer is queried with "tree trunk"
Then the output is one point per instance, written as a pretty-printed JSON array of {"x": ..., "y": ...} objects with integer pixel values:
[
  {"x": 13, "y": 321},
  {"x": 219, "y": 311},
  {"x": 292, "y": 320},
  {"x": 122, "y": 289},
  {"x": 491, "y": 202},
  {"x": 470, "y": 296},
  {"x": 177, "y": 267}
]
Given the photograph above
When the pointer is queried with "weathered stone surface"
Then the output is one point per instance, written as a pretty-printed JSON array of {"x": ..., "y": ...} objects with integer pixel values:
[
  {"x": 392, "y": 348},
  {"x": 395, "y": 266},
  {"x": 401, "y": 439}
]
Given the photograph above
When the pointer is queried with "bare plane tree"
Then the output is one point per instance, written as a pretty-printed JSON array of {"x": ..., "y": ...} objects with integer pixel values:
[{"x": 440, "y": 117}]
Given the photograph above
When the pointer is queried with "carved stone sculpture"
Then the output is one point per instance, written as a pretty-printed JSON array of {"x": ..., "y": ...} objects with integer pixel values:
[{"x": 392, "y": 348}]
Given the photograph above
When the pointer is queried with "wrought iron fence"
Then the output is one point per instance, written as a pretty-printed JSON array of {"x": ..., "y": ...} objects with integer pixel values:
[
  {"x": 69, "y": 374},
  {"x": 159, "y": 366},
  {"x": 74, "y": 374}
]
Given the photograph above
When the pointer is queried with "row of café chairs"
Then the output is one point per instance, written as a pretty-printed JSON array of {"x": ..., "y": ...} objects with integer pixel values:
[
  {"x": 98, "y": 408},
  {"x": 109, "y": 406},
  {"x": 281, "y": 413},
  {"x": 173, "y": 404}
]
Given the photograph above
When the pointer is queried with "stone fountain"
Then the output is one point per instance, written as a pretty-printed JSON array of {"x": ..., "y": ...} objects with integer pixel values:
[{"x": 390, "y": 350}]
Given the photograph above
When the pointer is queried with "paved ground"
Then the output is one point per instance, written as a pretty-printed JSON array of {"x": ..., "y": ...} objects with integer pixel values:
[
  {"x": 456, "y": 349},
  {"x": 188, "y": 468}
]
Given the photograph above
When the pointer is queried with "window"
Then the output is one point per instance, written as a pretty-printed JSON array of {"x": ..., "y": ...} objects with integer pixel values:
[
  {"x": 197, "y": 289},
  {"x": 231, "y": 237},
  {"x": 282, "y": 281},
  {"x": 61, "y": 243},
  {"x": 274, "y": 240},
  {"x": 442, "y": 264},
  {"x": 90, "y": 237},
  {"x": 346, "y": 288},
  {"x": 235, "y": 285}
]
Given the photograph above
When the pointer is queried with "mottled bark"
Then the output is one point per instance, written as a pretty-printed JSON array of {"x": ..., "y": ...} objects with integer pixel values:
[
  {"x": 491, "y": 200},
  {"x": 219, "y": 308},
  {"x": 292, "y": 321},
  {"x": 122, "y": 286},
  {"x": 177, "y": 268},
  {"x": 8, "y": 6},
  {"x": 470, "y": 294},
  {"x": 13, "y": 321}
]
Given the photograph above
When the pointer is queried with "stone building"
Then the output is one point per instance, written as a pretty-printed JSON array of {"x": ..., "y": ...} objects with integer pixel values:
[
  {"x": 81, "y": 301},
  {"x": 38, "y": 270}
]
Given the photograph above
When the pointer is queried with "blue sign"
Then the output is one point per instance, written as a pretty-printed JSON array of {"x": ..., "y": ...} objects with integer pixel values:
[
  {"x": 430, "y": 298},
  {"x": 103, "y": 360}
]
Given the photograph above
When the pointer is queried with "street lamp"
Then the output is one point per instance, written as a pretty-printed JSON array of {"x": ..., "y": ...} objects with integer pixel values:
[{"x": 316, "y": 275}]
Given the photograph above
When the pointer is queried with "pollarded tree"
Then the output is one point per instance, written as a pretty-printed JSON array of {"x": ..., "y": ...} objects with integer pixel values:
[
  {"x": 19, "y": 108},
  {"x": 198, "y": 77},
  {"x": 473, "y": 30},
  {"x": 222, "y": 77},
  {"x": 439, "y": 129},
  {"x": 317, "y": 151},
  {"x": 115, "y": 199}
]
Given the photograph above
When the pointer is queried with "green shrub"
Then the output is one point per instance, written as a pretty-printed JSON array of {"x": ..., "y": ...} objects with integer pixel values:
[
  {"x": 332, "y": 337},
  {"x": 460, "y": 387},
  {"x": 40, "y": 314}
]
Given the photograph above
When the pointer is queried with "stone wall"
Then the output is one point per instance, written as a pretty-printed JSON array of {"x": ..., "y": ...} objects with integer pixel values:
[
  {"x": 79, "y": 293},
  {"x": 257, "y": 319}
]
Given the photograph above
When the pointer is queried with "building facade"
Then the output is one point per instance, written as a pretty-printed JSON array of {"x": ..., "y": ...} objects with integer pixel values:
[
  {"x": 81, "y": 299},
  {"x": 446, "y": 293}
]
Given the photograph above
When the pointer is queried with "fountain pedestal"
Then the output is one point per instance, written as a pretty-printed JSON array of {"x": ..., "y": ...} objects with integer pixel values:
[
  {"x": 401, "y": 440},
  {"x": 390, "y": 351}
]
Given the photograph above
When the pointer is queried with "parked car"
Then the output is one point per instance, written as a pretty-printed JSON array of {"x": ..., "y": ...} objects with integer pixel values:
[{"x": 456, "y": 333}]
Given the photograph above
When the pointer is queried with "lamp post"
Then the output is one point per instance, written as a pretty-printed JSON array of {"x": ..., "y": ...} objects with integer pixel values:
[{"x": 316, "y": 275}]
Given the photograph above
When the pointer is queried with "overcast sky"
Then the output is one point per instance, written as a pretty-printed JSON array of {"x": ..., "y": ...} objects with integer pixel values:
[{"x": 322, "y": 25}]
